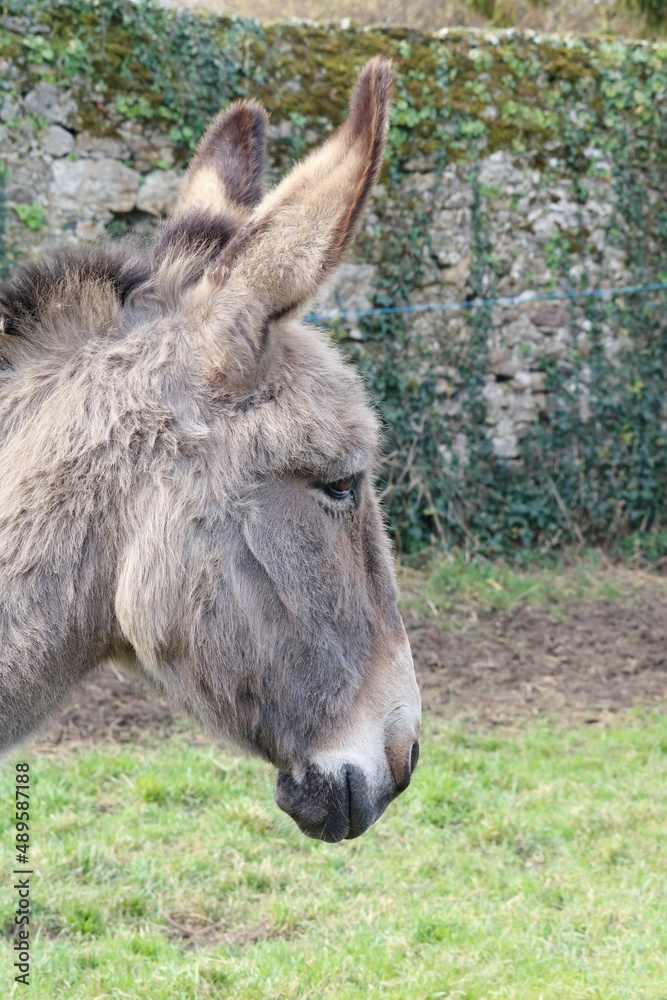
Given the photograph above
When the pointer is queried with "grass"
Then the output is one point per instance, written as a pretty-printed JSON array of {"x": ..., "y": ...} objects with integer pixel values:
[
  {"x": 451, "y": 585},
  {"x": 524, "y": 864}
]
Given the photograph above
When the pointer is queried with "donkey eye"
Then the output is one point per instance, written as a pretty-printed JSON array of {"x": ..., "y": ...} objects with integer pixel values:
[{"x": 341, "y": 489}]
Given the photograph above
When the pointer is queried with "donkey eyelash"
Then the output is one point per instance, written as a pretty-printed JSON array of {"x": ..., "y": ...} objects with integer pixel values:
[
  {"x": 341, "y": 492},
  {"x": 340, "y": 489}
]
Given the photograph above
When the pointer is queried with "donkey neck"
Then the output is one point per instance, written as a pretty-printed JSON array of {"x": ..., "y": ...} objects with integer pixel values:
[
  {"x": 57, "y": 556},
  {"x": 56, "y": 619}
]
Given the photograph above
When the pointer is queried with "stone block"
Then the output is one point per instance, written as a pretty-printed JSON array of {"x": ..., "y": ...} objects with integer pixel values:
[
  {"x": 158, "y": 194},
  {"x": 52, "y": 104},
  {"x": 100, "y": 147},
  {"x": 11, "y": 107},
  {"x": 459, "y": 274},
  {"x": 56, "y": 141},
  {"x": 148, "y": 150},
  {"x": 90, "y": 188},
  {"x": 451, "y": 236},
  {"x": 499, "y": 171},
  {"x": 548, "y": 315},
  {"x": 504, "y": 440},
  {"x": 529, "y": 381}
]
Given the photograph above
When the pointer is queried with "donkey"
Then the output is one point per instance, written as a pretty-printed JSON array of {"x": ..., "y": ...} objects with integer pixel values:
[{"x": 186, "y": 477}]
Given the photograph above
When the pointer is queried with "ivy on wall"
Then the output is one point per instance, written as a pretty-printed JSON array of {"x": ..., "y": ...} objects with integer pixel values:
[{"x": 594, "y": 467}]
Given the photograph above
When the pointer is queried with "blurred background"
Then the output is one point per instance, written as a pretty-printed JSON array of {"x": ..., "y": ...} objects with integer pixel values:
[{"x": 630, "y": 18}]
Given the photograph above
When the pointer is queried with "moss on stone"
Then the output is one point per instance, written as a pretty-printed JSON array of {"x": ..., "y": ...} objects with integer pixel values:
[{"x": 499, "y": 91}]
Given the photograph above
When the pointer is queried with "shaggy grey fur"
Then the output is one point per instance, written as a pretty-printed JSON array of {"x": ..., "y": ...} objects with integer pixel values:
[{"x": 167, "y": 434}]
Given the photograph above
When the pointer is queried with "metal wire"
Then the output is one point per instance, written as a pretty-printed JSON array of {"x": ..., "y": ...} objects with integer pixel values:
[{"x": 476, "y": 303}]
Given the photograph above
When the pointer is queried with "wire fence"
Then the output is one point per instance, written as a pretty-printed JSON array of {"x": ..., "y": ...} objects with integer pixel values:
[{"x": 477, "y": 303}]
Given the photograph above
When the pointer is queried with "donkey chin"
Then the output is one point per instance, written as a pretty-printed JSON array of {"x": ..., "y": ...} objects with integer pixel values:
[{"x": 338, "y": 793}]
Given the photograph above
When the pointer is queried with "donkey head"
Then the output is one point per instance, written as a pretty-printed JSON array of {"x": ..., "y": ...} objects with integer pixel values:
[{"x": 253, "y": 577}]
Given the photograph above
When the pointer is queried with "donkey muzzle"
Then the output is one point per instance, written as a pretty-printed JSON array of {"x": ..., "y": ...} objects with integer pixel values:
[{"x": 338, "y": 806}]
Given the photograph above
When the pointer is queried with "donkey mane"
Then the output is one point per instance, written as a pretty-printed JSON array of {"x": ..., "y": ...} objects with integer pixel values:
[{"x": 114, "y": 269}]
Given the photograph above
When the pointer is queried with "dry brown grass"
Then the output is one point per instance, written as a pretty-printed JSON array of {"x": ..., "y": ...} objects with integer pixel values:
[{"x": 580, "y": 16}]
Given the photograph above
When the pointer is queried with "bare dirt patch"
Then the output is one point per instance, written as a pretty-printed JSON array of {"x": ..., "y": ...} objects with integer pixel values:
[
  {"x": 113, "y": 706},
  {"x": 193, "y": 930},
  {"x": 579, "y": 663}
]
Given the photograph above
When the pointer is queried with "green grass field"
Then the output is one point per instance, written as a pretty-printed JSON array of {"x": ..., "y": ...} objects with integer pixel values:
[
  {"x": 451, "y": 585},
  {"x": 525, "y": 864}
]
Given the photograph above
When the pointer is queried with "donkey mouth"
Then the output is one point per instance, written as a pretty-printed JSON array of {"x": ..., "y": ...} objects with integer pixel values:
[{"x": 331, "y": 808}]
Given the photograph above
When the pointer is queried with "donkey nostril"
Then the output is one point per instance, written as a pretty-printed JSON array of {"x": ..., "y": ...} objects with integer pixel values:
[{"x": 414, "y": 756}]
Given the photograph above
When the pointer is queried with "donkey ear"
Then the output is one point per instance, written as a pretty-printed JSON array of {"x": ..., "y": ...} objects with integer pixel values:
[
  {"x": 226, "y": 175},
  {"x": 298, "y": 234}
]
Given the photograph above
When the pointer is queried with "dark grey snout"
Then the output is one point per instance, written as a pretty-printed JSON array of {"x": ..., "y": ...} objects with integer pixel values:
[{"x": 341, "y": 806}]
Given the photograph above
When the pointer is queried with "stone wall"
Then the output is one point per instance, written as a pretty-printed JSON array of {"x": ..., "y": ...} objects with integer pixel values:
[
  {"x": 508, "y": 173},
  {"x": 529, "y": 217}
]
